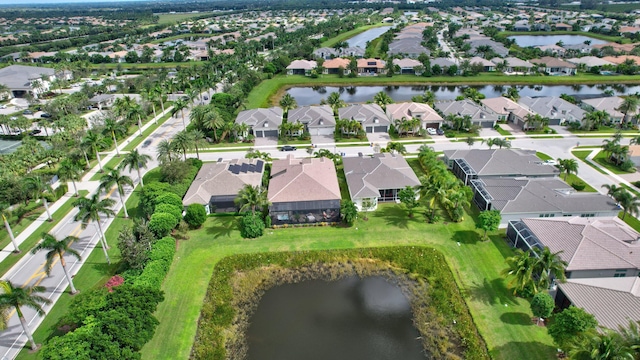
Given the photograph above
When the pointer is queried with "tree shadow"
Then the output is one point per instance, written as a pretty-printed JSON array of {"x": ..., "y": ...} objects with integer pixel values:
[
  {"x": 492, "y": 292},
  {"x": 223, "y": 226},
  {"x": 516, "y": 318},
  {"x": 395, "y": 216},
  {"x": 467, "y": 237},
  {"x": 501, "y": 243},
  {"x": 523, "y": 350}
]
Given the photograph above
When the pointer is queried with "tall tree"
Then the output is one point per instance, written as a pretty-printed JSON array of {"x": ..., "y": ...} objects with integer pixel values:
[
  {"x": 114, "y": 177},
  {"x": 135, "y": 160},
  {"x": 183, "y": 141},
  {"x": 197, "y": 140},
  {"x": 38, "y": 188},
  {"x": 179, "y": 106},
  {"x": 90, "y": 210},
  {"x": 520, "y": 270},
  {"x": 488, "y": 221},
  {"x": 287, "y": 103},
  {"x": 629, "y": 203},
  {"x": 382, "y": 99},
  {"x": 95, "y": 142},
  {"x": 18, "y": 297},
  {"x": 16, "y": 248},
  {"x": 568, "y": 166},
  {"x": 629, "y": 106},
  {"x": 165, "y": 151},
  {"x": 251, "y": 197},
  {"x": 115, "y": 128},
  {"x": 70, "y": 170},
  {"x": 548, "y": 265},
  {"x": 56, "y": 249}
]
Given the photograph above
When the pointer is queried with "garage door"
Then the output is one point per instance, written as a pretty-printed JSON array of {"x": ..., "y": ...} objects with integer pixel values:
[
  {"x": 369, "y": 129},
  {"x": 323, "y": 131},
  {"x": 380, "y": 129},
  {"x": 266, "y": 133},
  {"x": 554, "y": 121},
  {"x": 486, "y": 124}
]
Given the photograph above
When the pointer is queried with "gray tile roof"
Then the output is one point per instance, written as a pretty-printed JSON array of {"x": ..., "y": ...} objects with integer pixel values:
[
  {"x": 364, "y": 113},
  {"x": 589, "y": 243},
  {"x": 612, "y": 301},
  {"x": 259, "y": 117},
  {"x": 544, "y": 195},
  {"x": 19, "y": 77},
  {"x": 504, "y": 162},
  {"x": 308, "y": 179},
  {"x": 442, "y": 62},
  {"x": 314, "y": 116},
  {"x": 223, "y": 178},
  {"x": 466, "y": 107},
  {"x": 367, "y": 175},
  {"x": 553, "y": 108}
]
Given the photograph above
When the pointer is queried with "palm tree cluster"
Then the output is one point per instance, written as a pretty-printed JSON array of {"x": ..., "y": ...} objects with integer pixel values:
[
  {"x": 629, "y": 107},
  {"x": 535, "y": 122},
  {"x": 607, "y": 344},
  {"x": 406, "y": 126},
  {"x": 209, "y": 121},
  {"x": 181, "y": 143},
  {"x": 617, "y": 153},
  {"x": 439, "y": 186},
  {"x": 533, "y": 271},
  {"x": 252, "y": 198},
  {"x": 349, "y": 128},
  {"x": 461, "y": 123},
  {"x": 568, "y": 167},
  {"x": 382, "y": 99},
  {"x": 334, "y": 101},
  {"x": 594, "y": 120},
  {"x": 624, "y": 198},
  {"x": 497, "y": 142}
]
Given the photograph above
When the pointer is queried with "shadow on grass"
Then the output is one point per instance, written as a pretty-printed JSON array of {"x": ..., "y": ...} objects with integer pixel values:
[
  {"x": 516, "y": 318},
  {"x": 223, "y": 226},
  {"x": 500, "y": 242},
  {"x": 531, "y": 350},
  {"x": 467, "y": 237},
  {"x": 395, "y": 216},
  {"x": 492, "y": 292}
]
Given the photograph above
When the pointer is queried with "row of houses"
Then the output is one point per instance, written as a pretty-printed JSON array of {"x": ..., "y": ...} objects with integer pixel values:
[{"x": 21, "y": 80}]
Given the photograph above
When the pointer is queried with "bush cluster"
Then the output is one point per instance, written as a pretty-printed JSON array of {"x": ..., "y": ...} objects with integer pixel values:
[
  {"x": 422, "y": 264},
  {"x": 160, "y": 259},
  {"x": 251, "y": 225},
  {"x": 195, "y": 215}
]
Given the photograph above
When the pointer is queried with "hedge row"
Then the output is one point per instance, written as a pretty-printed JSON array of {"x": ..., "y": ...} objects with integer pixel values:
[
  {"x": 420, "y": 263},
  {"x": 160, "y": 259}
]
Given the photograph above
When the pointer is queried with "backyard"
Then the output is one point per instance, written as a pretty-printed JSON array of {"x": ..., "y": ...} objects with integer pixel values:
[{"x": 503, "y": 320}]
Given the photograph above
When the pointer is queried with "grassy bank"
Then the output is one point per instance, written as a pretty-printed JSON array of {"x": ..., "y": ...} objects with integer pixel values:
[
  {"x": 349, "y": 34},
  {"x": 566, "y": 32},
  {"x": 582, "y": 155},
  {"x": 503, "y": 320},
  {"x": 267, "y": 92}
]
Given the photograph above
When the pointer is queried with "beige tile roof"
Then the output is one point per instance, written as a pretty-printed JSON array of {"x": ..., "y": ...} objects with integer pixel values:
[
  {"x": 336, "y": 63},
  {"x": 406, "y": 109},
  {"x": 503, "y": 106},
  {"x": 367, "y": 175},
  {"x": 308, "y": 179}
]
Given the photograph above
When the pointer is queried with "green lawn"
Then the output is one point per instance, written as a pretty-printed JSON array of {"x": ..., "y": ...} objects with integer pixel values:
[
  {"x": 33, "y": 239},
  {"x": 573, "y": 178},
  {"x": 601, "y": 159},
  {"x": 113, "y": 163},
  {"x": 95, "y": 272},
  {"x": 630, "y": 220},
  {"x": 504, "y": 321},
  {"x": 582, "y": 155},
  {"x": 543, "y": 156},
  {"x": 631, "y": 189},
  {"x": 502, "y": 131},
  {"x": 165, "y": 19},
  {"x": 604, "y": 129},
  {"x": 349, "y": 34}
]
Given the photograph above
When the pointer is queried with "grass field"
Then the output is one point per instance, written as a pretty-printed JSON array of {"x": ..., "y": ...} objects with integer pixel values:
[
  {"x": 166, "y": 19},
  {"x": 113, "y": 163},
  {"x": 582, "y": 155},
  {"x": 504, "y": 321},
  {"x": 601, "y": 159},
  {"x": 503, "y": 132},
  {"x": 267, "y": 92},
  {"x": 33, "y": 239},
  {"x": 349, "y": 34},
  {"x": 94, "y": 273}
]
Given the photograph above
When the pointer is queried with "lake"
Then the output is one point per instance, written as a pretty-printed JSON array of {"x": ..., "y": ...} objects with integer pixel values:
[
  {"x": 537, "y": 40},
  {"x": 348, "y": 319},
  {"x": 362, "y": 94},
  {"x": 362, "y": 38}
]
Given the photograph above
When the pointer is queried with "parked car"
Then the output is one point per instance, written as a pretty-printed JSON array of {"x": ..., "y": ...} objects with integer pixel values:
[
  {"x": 3, "y": 106},
  {"x": 146, "y": 143},
  {"x": 288, "y": 148},
  {"x": 205, "y": 97},
  {"x": 431, "y": 131},
  {"x": 27, "y": 112},
  {"x": 35, "y": 132},
  {"x": 45, "y": 115},
  {"x": 440, "y": 131}
]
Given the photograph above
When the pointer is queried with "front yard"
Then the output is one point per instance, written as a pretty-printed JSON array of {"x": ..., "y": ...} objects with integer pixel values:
[{"x": 504, "y": 321}]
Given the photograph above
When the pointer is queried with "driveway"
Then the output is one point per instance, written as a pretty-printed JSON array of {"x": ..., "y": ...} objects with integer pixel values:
[
  {"x": 322, "y": 139},
  {"x": 489, "y": 132},
  {"x": 266, "y": 141},
  {"x": 379, "y": 138},
  {"x": 512, "y": 128}
]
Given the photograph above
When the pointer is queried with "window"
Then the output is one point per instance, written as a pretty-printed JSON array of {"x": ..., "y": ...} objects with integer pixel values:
[
  {"x": 587, "y": 215},
  {"x": 620, "y": 273},
  {"x": 547, "y": 215}
]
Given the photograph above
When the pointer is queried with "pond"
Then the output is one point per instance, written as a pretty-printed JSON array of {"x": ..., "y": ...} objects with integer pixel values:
[
  {"x": 362, "y": 38},
  {"x": 352, "y": 318},
  {"x": 362, "y": 94},
  {"x": 537, "y": 40}
]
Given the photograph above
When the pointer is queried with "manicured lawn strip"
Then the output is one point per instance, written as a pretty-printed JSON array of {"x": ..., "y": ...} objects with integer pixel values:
[
  {"x": 543, "y": 156},
  {"x": 631, "y": 189},
  {"x": 582, "y": 155},
  {"x": 261, "y": 95},
  {"x": 572, "y": 179},
  {"x": 631, "y": 221},
  {"x": 144, "y": 66},
  {"x": 602, "y": 129},
  {"x": 95, "y": 272},
  {"x": 33, "y": 239},
  {"x": 222, "y": 146},
  {"x": 342, "y": 182},
  {"x": 547, "y": 137},
  {"x": 601, "y": 159},
  {"x": 503, "y": 321},
  {"x": 593, "y": 147},
  {"x": 113, "y": 163},
  {"x": 502, "y": 131},
  {"x": 349, "y": 34},
  {"x": 145, "y": 134},
  {"x": 566, "y": 32},
  {"x": 294, "y": 142},
  {"x": 443, "y": 300}
]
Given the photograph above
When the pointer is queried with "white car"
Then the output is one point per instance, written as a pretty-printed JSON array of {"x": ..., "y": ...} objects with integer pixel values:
[{"x": 431, "y": 131}]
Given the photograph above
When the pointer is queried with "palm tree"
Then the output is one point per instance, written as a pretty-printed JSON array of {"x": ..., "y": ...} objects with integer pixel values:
[
  {"x": 114, "y": 177},
  {"x": 520, "y": 269},
  {"x": 17, "y": 297},
  {"x": 69, "y": 170},
  {"x": 548, "y": 265},
  {"x": 629, "y": 203},
  {"x": 197, "y": 139},
  {"x": 95, "y": 142},
  {"x": 612, "y": 190},
  {"x": 568, "y": 166},
  {"x": 251, "y": 197},
  {"x": 114, "y": 128},
  {"x": 7, "y": 226},
  {"x": 165, "y": 150},
  {"x": 148, "y": 94},
  {"x": 207, "y": 117},
  {"x": 335, "y": 102},
  {"x": 629, "y": 105},
  {"x": 39, "y": 188},
  {"x": 180, "y": 105},
  {"x": 605, "y": 344},
  {"x": 183, "y": 141},
  {"x": 135, "y": 160},
  {"x": 57, "y": 249},
  {"x": 136, "y": 111},
  {"x": 502, "y": 143},
  {"x": 512, "y": 93},
  {"x": 382, "y": 99},
  {"x": 287, "y": 103},
  {"x": 90, "y": 210}
]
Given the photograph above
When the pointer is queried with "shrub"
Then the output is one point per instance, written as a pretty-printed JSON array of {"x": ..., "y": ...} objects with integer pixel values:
[
  {"x": 155, "y": 271},
  {"x": 162, "y": 223},
  {"x": 579, "y": 185},
  {"x": 570, "y": 323},
  {"x": 150, "y": 193},
  {"x": 84, "y": 304},
  {"x": 627, "y": 165},
  {"x": 196, "y": 215},
  {"x": 251, "y": 226},
  {"x": 174, "y": 210},
  {"x": 169, "y": 198}
]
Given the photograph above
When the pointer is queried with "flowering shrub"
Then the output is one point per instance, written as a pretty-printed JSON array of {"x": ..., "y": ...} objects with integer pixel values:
[{"x": 116, "y": 280}]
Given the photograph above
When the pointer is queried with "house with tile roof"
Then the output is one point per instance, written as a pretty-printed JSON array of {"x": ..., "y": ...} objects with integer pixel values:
[
  {"x": 612, "y": 301},
  {"x": 593, "y": 247},
  {"x": 317, "y": 120},
  {"x": 407, "y": 66},
  {"x": 303, "y": 191},
  {"x": 371, "y": 66},
  {"x": 21, "y": 80},
  {"x": 480, "y": 116},
  {"x": 325, "y": 53},
  {"x": 486, "y": 64},
  {"x": 301, "y": 67},
  {"x": 217, "y": 184},
  {"x": 262, "y": 122},
  {"x": 508, "y": 110},
  {"x": 554, "y": 66},
  {"x": 428, "y": 117},
  {"x": 370, "y": 116},
  {"x": 335, "y": 65},
  {"x": 557, "y": 110},
  {"x": 514, "y": 65},
  {"x": 377, "y": 178},
  {"x": 518, "y": 198},
  {"x": 610, "y": 105},
  {"x": 472, "y": 164}
]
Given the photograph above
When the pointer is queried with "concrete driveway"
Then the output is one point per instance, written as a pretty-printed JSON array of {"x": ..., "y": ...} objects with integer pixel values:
[
  {"x": 322, "y": 139},
  {"x": 266, "y": 141},
  {"x": 379, "y": 138}
]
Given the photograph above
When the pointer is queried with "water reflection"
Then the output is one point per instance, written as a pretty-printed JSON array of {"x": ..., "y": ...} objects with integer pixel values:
[{"x": 537, "y": 40}]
